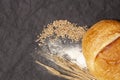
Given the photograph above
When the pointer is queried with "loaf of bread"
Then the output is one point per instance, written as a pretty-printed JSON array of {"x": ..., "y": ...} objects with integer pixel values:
[{"x": 101, "y": 48}]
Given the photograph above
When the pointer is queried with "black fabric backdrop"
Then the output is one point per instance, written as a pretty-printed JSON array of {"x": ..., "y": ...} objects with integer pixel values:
[{"x": 22, "y": 20}]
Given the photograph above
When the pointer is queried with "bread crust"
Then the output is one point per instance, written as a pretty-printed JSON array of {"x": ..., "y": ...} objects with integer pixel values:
[{"x": 95, "y": 41}]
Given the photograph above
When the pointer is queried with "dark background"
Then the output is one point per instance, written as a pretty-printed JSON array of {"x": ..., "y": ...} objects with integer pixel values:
[{"x": 22, "y": 20}]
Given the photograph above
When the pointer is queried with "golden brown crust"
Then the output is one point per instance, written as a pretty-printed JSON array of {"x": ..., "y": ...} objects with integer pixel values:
[
  {"x": 108, "y": 62},
  {"x": 95, "y": 40}
]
